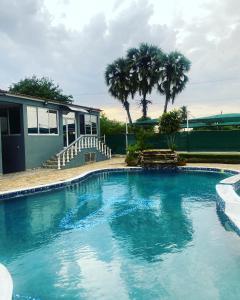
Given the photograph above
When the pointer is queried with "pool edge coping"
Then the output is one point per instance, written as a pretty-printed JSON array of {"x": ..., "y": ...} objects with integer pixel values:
[{"x": 11, "y": 194}]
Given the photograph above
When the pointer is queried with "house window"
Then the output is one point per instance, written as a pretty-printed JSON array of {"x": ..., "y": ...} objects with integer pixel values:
[
  {"x": 94, "y": 124},
  {"x": 42, "y": 120},
  {"x": 32, "y": 120},
  {"x": 53, "y": 121},
  {"x": 88, "y": 124}
]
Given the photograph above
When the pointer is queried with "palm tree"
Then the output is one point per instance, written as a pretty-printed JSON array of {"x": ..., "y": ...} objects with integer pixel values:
[
  {"x": 145, "y": 65},
  {"x": 118, "y": 79},
  {"x": 184, "y": 113},
  {"x": 172, "y": 77}
]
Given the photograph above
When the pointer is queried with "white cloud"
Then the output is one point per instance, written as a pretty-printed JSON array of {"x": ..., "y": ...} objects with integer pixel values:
[{"x": 33, "y": 41}]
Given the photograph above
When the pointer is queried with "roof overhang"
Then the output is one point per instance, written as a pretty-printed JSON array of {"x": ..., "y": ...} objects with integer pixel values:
[
  {"x": 72, "y": 107},
  {"x": 76, "y": 109}
]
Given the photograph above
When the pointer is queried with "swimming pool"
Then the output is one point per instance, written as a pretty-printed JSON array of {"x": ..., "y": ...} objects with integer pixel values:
[{"x": 122, "y": 235}]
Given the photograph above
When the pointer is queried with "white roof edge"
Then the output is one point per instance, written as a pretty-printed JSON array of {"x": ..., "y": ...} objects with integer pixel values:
[{"x": 74, "y": 107}]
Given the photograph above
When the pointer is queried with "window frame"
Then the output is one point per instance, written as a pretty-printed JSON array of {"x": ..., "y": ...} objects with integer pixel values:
[
  {"x": 97, "y": 127},
  {"x": 44, "y": 134}
]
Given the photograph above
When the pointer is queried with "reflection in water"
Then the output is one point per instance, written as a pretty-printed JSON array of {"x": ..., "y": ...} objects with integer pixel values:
[
  {"x": 108, "y": 237},
  {"x": 28, "y": 223},
  {"x": 161, "y": 227}
]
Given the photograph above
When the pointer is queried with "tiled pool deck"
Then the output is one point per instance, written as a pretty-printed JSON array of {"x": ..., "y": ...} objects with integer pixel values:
[{"x": 39, "y": 177}]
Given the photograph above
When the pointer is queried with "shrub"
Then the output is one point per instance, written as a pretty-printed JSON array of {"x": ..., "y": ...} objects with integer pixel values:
[{"x": 170, "y": 124}]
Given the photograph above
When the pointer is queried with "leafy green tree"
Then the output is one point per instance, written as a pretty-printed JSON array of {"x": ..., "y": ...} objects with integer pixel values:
[
  {"x": 40, "y": 87},
  {"x": 170, "y": 124},
  {"x": 109, "y": 127},
  {"x": 146, "y": 64},
  {"x": 118, "y": 79},
  {"x": 172, "y": 76}
]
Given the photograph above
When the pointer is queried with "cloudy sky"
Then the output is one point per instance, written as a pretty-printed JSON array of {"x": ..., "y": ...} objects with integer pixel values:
[{"x": 72, "y": 41}]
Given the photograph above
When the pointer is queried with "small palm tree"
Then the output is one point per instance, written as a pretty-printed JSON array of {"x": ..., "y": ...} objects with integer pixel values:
[
  {"x": 184, "y": 113},
  {"x": 145, "y": 65},
  {"x": 172, "y": 76},
  {"x": 118, "y": 79}
]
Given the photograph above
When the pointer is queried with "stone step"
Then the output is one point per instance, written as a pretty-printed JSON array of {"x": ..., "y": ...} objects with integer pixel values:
[
  {"x": 161, "y": 151},
  {"x": 158, "y": 155},
  {"x": 169, "y": 161}
]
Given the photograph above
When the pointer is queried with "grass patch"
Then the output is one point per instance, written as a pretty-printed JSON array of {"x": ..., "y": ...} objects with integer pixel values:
[{"x": 214, "y": 157}]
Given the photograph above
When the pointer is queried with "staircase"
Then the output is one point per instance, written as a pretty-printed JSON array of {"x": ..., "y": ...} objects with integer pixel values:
[
  {"x": 156, "y": 158},
  {"x": 61, "y": 159}
]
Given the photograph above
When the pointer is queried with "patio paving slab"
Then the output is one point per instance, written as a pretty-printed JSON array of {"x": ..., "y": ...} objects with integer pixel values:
[{"x": 32, "y": 178}]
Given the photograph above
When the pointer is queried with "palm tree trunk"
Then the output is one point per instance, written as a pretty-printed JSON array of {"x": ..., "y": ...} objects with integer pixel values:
[
  {"x": 166, "y": 105},
  {"x": 126, "y": 106},
  {"x": 144, "y": 106},
  {"x": 129, "y": 117}
]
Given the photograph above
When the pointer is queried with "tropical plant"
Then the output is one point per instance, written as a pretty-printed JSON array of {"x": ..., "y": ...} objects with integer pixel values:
[
  {"x": 145, "y": 64},
  {"x": 133, "y": 152},
  {"x": 172, "y": 76},
  {"x": 183, "y": 113},
  {"x": 40, "y": 87},
  {"x": 118, "y": 79},
  {"x": 170, "y": 124}
]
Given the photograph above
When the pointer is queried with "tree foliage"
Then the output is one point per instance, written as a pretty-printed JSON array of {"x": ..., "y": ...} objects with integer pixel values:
[
  {"x": 170, "y": 124},
  {"x": 121, "y": 86},
  {"x": 40, "y": 87},
  {"x": 172, "y": 77},
  {"x": 144, "y": 69},
  {"x": 145, "y": 64},
  {"x": 109, "y": 127},
  {"x": 183, "y": 113}
]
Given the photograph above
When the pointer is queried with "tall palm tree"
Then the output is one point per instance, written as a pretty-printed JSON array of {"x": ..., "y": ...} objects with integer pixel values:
[
  {"x": 145, "y": 65},
  {"x": 173, "y": 76},
  {"x": 118, "y": 79}
]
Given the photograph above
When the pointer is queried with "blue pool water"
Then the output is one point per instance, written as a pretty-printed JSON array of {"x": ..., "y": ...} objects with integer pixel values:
[{"x": 138, "y": 235}]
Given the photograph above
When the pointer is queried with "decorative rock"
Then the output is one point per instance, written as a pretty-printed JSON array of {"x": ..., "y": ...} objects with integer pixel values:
[{"x": 155, "y": 158}]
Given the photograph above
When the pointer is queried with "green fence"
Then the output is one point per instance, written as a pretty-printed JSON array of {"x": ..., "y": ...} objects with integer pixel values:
[{"x": 215, "y": 141}]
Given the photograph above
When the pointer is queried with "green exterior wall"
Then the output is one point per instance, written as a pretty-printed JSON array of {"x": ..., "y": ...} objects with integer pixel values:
[{"x": 40, "y": 148}]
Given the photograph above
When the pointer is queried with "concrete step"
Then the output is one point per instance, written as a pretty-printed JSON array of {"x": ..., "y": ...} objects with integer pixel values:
[{"x": 46, "y": 166}]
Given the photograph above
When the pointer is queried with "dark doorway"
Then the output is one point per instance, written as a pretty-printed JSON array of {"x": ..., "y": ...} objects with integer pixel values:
[{"x": 12, "y": 138}]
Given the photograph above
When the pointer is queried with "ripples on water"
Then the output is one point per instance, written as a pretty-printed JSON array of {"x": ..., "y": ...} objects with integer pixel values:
[{"x": 143, "y": 235}]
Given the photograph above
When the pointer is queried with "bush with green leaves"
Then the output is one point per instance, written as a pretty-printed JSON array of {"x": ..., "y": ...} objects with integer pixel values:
[
  {"x": 132, "y": 158},
  {"x": 109, "y": 127},
  {"x": 170, "y": 124}
]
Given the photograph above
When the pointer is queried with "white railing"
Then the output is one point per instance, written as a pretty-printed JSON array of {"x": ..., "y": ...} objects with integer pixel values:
[{"x": 83, "y": 142}]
